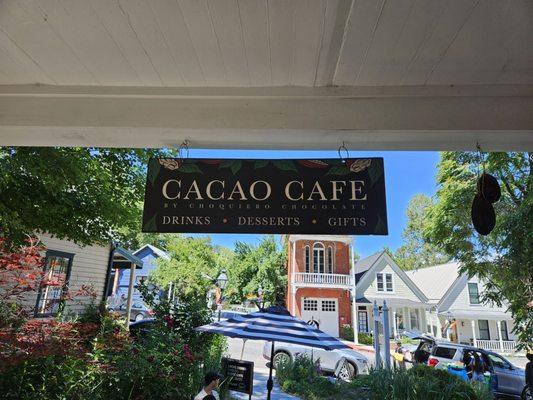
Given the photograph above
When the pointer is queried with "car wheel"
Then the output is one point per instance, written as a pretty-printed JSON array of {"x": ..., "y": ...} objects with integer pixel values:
[
  {"x": 281, "y": 357},
  {"x": 139, "y": 317},
  {"x": 347, "y": 372}
]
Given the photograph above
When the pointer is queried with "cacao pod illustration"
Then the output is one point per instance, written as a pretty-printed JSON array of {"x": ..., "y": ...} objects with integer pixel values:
[
  {"x": 358, "y": 165},
  {"x": 170, "y": 163},
  {"x": 313, "y": 163}
]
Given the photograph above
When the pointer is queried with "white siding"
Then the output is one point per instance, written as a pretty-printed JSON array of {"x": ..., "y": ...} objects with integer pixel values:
[
  {"x": 462, "y": 302},
  {"x": 400, "y": 288},
  {"x": 89, "y": 267}
]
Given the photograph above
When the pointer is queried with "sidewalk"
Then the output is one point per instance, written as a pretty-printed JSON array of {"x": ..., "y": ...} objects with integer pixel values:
[{"x": 260, "y": 388}]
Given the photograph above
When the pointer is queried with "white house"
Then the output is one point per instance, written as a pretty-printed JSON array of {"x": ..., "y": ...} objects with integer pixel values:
[
  {"x": 458, "y": 311},
  {"x": 379, "y": 278}
]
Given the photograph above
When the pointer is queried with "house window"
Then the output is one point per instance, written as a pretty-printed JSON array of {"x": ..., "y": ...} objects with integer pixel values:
[
  {"x": 503, "y": 329},
  {"x": 328, "y": 305},
  {"x": 484, "y": 333},
  {"x": 362, "y": 321},
  {"x": 307, "y": 259},
  {"x": 318, "y": 258},
  {"x": 310, "y": 305},
  {"x": 473, "y": 293},
  {"x": 384, "y": 282},
  {"x": 330, "y": 260},
  {"x": 56, "y": 275},
  {"x": 413, "y": 315}
]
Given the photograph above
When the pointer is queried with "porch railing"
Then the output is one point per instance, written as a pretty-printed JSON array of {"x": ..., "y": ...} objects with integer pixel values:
[
  {"x": 505, "y": 346},
  {"x": 323, "y": 279}
]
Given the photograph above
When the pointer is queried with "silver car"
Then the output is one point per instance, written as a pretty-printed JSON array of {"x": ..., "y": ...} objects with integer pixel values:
[
  {"x": 507, "y": 379},
  {"x": 346, "y": 364}
]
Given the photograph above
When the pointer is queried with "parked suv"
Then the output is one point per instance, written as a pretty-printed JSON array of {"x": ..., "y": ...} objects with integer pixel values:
[{"x": 508, "y": 379}]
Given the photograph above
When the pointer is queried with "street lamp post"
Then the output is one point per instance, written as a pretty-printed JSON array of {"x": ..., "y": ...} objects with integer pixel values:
[
  {"x": 222, "y": 281},
  {"x": 260, "y": 296}
]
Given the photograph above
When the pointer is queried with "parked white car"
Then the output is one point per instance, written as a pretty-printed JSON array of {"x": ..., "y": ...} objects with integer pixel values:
[{"x": 346, "y": 363}]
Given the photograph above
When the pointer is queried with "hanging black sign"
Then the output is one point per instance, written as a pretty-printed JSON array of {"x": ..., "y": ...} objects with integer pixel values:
[
  {"x": 238, "y": 375},
  {"x": 266, "y": 196}
]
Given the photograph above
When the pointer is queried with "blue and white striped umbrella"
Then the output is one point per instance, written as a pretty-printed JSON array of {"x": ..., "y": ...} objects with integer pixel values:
[{"x": 274, "y": 324}]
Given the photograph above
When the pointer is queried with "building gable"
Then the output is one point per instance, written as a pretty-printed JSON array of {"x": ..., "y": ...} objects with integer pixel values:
[
  {"x": 403, "y": 286},
  {"x": 458, "y": 298}
]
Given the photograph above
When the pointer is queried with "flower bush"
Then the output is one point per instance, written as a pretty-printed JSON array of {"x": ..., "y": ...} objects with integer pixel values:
[{"x": 92, "y": 356}]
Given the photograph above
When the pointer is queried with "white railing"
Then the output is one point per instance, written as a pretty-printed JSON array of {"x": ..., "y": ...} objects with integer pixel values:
[
  {"x": 505, "y": 346},
  {"x": 323, "y": 279}
]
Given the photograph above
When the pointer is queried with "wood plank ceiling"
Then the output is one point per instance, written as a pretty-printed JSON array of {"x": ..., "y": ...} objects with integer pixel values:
[{"x": 254, "y": 43}]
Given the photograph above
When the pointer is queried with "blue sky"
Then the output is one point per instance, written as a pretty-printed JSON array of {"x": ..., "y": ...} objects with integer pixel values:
[{"x": 406, "y": 173}]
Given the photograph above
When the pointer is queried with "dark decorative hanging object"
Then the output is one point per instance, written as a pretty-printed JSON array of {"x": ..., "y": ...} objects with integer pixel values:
[
  {"x": 483, "y": 216},
  {"x": 489, "y": 188},
  {"x": 488, "y": 192}
]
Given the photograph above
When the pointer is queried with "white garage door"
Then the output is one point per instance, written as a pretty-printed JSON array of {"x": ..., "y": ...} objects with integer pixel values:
[{"x": 324, "y": 311}]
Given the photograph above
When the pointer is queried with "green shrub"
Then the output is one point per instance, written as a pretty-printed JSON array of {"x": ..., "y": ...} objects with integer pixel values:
[
  {"x": 365, "y": 338},
  {"x": 419, "y": 383},
  {"x": 347, "y": 332}
]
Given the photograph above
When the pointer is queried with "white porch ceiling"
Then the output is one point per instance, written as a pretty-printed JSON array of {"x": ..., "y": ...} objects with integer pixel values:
[
  {"x": 377, "y": 74},
  {"x": 175, "y": 43}
]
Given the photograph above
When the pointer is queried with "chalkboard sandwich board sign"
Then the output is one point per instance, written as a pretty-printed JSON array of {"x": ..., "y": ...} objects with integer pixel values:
[
  {"x": 239, "y": 375},
  {"x": 328, "y": 196}
]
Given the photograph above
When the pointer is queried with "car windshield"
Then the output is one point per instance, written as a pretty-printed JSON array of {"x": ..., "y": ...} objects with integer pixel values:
[{"x": 498, "y": 361}]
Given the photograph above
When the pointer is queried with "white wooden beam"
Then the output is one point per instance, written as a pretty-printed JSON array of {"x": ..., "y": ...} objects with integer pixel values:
[{"x": 379, "y": 118}]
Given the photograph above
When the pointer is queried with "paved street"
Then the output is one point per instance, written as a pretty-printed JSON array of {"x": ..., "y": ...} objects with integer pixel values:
[{"x": 253, "y": 351}]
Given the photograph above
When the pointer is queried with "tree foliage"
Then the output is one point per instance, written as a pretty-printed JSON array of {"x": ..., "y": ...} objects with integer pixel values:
[
  {"x": 193, "y": 265},
  {"x": 83, "y": 194},
  {"x": 262, "y": 265},
  {"x": 417, "y": 252},
  {"x": 504, "y": 258}
]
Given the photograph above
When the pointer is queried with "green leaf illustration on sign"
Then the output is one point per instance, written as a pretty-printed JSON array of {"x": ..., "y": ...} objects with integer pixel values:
[
  {"x": 260, "y": 164},
  {"x": 375, "y": 172},
  {"x": 284, "y": 165},
  {"x": 233, "y": 165},
  {"x": 153, "y": 170},
  {"x": 190, "y": 169},
  {"x": 151, "y": 225},
  {"x": 338, "y": 170}
]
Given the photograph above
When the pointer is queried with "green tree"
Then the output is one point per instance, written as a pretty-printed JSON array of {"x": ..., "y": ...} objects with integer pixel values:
[
  {"x": 504, "y": 258},
  {"x": 194, "y": 264},
  {"x": 262, "y": 265},
  {"x": 416, "y": 252},
  {"x": 83, "y": 194}
]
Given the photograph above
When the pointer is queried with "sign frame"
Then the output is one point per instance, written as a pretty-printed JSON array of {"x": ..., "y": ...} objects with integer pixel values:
[
  {"x": 266, "y": 196},
  {"x": 247, "y": 376}
]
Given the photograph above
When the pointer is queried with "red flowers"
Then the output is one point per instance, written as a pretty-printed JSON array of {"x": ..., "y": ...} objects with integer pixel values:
[{"x": 169, "y": 321}]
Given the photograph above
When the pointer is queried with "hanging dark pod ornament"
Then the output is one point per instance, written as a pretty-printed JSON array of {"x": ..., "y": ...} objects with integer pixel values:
[
  {"x": 489, "y": 188},
  {"x": 483, "y": 215}
]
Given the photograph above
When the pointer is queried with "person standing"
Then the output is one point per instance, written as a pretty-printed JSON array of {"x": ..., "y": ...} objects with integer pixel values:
[
  {"x": 529, "y": 375},
  {"x": 211, "y": 382}
]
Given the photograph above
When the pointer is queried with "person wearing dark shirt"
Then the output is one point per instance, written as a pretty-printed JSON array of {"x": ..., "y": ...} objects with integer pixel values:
[{"x": 529, "y": 373}]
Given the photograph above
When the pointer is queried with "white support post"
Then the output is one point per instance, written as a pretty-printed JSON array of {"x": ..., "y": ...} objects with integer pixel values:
[
  {"x": 394, "y": 324},
  {"x": 474, "y": 332},
  {"x": 354, "y": 303},
  {"x": 386, "y": 335},
  {"x": 499, "y": 323},
  {"x": 130, "y": 295},
  {"x": 375, "y": 313}
]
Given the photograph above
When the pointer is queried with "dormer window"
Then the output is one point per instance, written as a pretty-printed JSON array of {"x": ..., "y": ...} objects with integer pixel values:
[
  {"x": 384, "y": 282},
  {"x": 318, "y": 258},
  {"x": 473, "y": 293}
]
